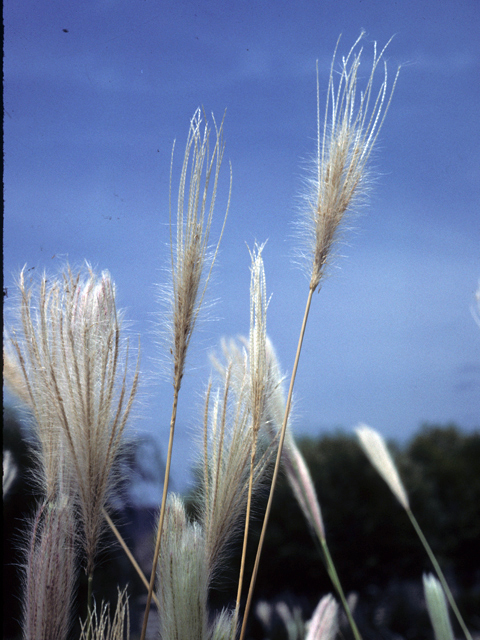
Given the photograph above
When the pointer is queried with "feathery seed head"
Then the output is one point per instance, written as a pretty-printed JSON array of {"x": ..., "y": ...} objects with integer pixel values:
[
  {"x": 222, "y": 627},
  {"x": 227, "y": 447},
  {"x": 258, "y": 336},
  {"x": 273, "y": 413},
  {"x": 350, "y": 128},
  {"x": 190, "y": 266},
  {"x": 75, "y": 376},
  {"x": 437, "y": 608},
  {"x": 50, "y": 572},
  {"x": 182, "y": 576},
  {"x": 376, "y": 451},
  {"x": 324, "y": 622}
]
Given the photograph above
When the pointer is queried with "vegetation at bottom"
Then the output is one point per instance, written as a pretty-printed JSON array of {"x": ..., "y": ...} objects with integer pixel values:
[
  {"x": 377, "y": 554},
  {"x": 69, "y": 361}
]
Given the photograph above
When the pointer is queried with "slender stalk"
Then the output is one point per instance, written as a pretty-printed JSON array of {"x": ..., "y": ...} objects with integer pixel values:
[
  {"x": 245, "y": 536},
  {"x": 332, "y": 572},
  {"x": 176, "y": 391},
  {"x": 328, "y": 559},
  {"x": 277, "y": 464},
  {"x": 129, "y": 554},
  {"x": 440, "y": 575},
  {"x": 89, "y": 604}
]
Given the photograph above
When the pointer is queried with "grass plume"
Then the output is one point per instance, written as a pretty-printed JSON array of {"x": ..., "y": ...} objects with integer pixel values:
[
  {"x": 50, "y": 573},
  {"x": 350, "y": 128},
  {"x": 437, "y": 608},
  {"x": 72, "y": 367},
  {"x": 190, "y": 270}
]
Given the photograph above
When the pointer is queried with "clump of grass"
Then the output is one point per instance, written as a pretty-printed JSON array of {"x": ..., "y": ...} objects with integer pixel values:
[
  {"x": 68, "y": 362},
  {"x": 190, "y": 270},
  {"x": 71, "y": 366}
]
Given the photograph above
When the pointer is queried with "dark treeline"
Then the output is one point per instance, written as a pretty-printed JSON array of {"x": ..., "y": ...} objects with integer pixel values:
[
  {"x": 377, "y": 554},
  {"x": 376, "y": 551}
]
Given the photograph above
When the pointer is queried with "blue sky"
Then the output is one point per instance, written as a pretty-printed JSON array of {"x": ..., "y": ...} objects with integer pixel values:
[{"x": 95, "y": 94}]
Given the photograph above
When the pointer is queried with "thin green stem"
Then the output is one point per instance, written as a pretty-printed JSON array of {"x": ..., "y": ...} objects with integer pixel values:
[
  {"x": 332, "y": 572},
  {"x": 440, "y": 575},
  {"x": 163, "y": 507}
]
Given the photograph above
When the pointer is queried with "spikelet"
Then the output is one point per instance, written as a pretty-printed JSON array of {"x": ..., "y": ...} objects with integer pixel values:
[
  {"x": 351, "y": 125},
  {"x": 324, "y": 622},
  {"x": 376, "y": 451},
  {"x": 437, "y": 608}
]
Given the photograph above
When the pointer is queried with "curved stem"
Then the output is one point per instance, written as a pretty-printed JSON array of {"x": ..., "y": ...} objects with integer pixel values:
[
  {"x": 439, "y": 571},
  {"x": 129, "y": 554}
]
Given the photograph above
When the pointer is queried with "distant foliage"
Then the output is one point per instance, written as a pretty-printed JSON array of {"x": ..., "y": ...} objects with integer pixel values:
[{"x": 372, "y": 541}]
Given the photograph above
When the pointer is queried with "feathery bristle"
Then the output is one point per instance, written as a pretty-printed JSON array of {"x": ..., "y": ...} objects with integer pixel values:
[
  {"x": 190, "y": 267},
  {"x": 350, "y": 128},
  {"x": 50, "y": 573},
  {"x": 75, "y": 372}
]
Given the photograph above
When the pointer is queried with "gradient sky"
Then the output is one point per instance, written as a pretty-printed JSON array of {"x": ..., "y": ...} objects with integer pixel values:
[{"x": 97, "y": 91}]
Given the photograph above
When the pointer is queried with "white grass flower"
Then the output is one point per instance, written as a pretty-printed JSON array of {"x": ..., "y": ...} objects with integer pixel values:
[
  {"x": 226, "y": 465},
  {"x": 75, "y": 373},
  {"x": 190, "y": 267},
  {"x": 437, "y": 608},
  {"x": 50, "y": 573},
  {"x": 257, "y": 352},
  {"x": 324, "y": 622},
  {"x": 376, "y": 451},
  {"x": 223, "y": 626},
  {"x": 182, "y": 576},
  {"x": 350, "y": 128}
]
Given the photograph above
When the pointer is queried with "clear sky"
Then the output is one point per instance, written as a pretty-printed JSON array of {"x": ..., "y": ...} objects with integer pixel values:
[{"x": 95, "y": 94}]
